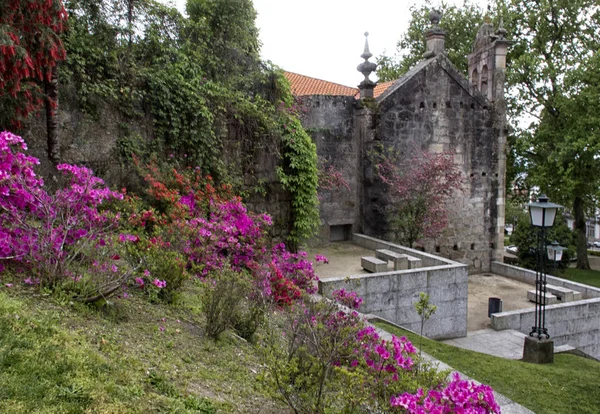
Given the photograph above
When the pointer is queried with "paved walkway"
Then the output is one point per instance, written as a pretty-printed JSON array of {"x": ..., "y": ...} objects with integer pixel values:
[{"x": 505, "y": 344}]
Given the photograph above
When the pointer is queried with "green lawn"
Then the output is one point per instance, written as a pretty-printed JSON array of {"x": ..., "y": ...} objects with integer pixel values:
[
  {"x": 570, "y": 385},
  {"x": 588, "y": 277}
]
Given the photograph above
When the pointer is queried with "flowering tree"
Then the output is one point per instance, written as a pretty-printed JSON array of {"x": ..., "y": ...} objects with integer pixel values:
[
  {"x": 30, "y": 49},
  {"x": 419, "y": 189}
]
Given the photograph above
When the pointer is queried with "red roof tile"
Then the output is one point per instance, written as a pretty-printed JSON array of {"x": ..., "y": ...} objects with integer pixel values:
[
  {"x": 305, "y": 85},
  {"x": 382, "y": 87}
]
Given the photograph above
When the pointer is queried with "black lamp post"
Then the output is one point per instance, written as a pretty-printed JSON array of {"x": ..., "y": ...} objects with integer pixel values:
[{"x": 538, "y": 348}]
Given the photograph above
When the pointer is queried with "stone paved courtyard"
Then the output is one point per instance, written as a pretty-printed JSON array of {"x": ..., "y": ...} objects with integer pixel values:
[{"x": 344, "y": 260}]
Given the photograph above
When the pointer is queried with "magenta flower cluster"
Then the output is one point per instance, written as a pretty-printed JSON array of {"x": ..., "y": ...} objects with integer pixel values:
[
  {"x": 45, "y": 232},
  {"x": 459, "y": 396},
  {"x": 349, "y": 299}
]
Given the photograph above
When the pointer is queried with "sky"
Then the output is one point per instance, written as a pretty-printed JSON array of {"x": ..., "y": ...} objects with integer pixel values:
[{"x": 325, "y": 38}]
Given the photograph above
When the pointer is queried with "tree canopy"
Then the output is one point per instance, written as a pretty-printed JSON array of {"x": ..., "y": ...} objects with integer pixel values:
[
  {"x": 553, "y": 96},
  {"x": 460, "y": 23},
  {"x": 553, "y": 74}
]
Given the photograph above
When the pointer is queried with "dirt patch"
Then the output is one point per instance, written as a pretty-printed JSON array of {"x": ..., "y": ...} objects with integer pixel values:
[{"x": 487, "y": 285}]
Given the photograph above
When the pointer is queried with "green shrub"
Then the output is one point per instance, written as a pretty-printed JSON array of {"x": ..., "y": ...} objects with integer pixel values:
[
  {"x": 225, "y": 299},
  {"x": 525, "y": 238}
]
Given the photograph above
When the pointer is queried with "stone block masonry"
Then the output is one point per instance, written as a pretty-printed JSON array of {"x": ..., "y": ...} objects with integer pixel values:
[
  {"x": 575, "y": 323},
  {"x": 528, "y": 276},
  {"x": 392, "y": 295},
  {"x": 373, "y": 264}
]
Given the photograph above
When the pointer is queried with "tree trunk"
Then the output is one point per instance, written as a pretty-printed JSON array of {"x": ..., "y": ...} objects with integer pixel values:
[
  {"x": 580, "y": 227},
  {"x": 51, "y": 119}
]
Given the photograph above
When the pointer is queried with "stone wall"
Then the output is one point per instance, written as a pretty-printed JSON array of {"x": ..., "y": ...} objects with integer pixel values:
[
  {"x": 528, "y": 276},
  {"x": 375, "y": 244},
  {"x": 392, "y": 295},
  {"x": 99, "y": 141},
  {"x": 330, "y": 122},
  {"x": 433, "y": 108},
  {"x": 575, "y": 323}
]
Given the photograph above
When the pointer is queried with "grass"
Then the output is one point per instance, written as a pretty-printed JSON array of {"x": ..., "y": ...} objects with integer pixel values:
[
  {"x": 67, "y": 358},
  {"x": 588, "y": 277},
  {"x": 570, "y": 384}
]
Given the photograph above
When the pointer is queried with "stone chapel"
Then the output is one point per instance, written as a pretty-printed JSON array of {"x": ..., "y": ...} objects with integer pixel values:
[{"x": 435, "y": 107}]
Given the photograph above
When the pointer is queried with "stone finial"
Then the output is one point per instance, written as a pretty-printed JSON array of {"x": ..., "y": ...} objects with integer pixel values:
[
  {"x": 435, "y": 37},
  {"x": 434, "y": 17},
  {"x": 501, "y": 31},
  {"x": 366, "y": 68}
]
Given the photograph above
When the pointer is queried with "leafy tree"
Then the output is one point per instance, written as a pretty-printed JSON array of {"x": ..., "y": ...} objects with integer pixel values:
[
  {"x": 514, "y": 212},
  {"x": 419, "y": 190},
  {"x": 525, "y": 238},
  {"x": 461, "y": 24},
  {"x": 425, "y": 310},
  {"x": 30, "y": 49},
  {"x": 554, "y": 72}
]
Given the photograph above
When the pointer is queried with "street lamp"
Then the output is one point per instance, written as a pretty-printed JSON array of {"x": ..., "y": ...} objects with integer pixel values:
[
  {"x": 538, "y": 348},
  {"x": 555, "y": 252}
]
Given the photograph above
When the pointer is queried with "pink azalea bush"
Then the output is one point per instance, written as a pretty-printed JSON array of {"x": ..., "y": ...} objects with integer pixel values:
[
  {"x": 345, "y": 366},
  {"x": 57, "y": 236},
  {"x": 458, "y": 396}
]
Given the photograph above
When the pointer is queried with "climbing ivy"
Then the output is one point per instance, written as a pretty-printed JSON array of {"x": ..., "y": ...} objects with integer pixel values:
[
  {"x": 213, "y": 104},
  {"x": 298, "y": 173}
]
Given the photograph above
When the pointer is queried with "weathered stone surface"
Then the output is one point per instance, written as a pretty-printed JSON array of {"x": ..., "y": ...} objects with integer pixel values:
[
  {"x": 538, "y": 351},
  {"x": 373, "y": 264},
  {"x": 544, "y": 298}
]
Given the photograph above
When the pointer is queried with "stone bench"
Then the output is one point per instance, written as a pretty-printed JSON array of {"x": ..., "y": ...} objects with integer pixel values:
[
  {"x": 373, "y": 264},
  {"x": 414, "y": 262},
  {"x": 400, "y": 260},
  {"x": 549, "y": 298},
  {"x": 564, "y": 294}
]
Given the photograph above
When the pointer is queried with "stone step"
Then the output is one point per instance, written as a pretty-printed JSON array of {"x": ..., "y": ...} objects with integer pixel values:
[
  {"x": 414, "y": 262},
  {"x": 548, "y": 299},
  {"x": 400, "y": 260},
  {"x": 563, "y": 348},
  {"x": 564, "y": 294}
]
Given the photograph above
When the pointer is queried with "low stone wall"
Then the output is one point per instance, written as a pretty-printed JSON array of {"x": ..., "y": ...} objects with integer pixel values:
[
  {"x": 375, "y": 244},
  {"x": 528, "y": 276},
  {"x": 575, "y": 323},
  {"x": 392, "y": 295}
]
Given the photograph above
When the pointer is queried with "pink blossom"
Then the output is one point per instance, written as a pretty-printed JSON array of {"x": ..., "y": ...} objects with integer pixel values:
[{"x": 159, "y": 283}]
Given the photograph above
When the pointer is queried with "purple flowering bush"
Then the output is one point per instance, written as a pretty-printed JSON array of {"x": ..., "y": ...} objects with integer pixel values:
[
  {"x": 320, "y": 359},
  {"x": 57, "y": 237},
  {"x": 458, "y": 396}
]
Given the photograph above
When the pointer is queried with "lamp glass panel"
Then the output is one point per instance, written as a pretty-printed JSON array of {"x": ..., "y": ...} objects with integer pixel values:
[
  {"x": 549, "y": 217},
  {"x": 536, "y": 215},
  {"x": 559, "y": 253}
]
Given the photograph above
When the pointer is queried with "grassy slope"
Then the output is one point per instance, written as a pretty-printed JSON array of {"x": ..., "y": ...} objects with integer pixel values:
[
  {"x": 571, "y": 384},
  {"x": 61, "y": 359}
]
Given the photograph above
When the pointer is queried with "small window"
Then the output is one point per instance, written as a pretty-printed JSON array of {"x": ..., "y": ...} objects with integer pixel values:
[
  {"x": 437, "y": 249},
  {"x": 472, "y": 246}
]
